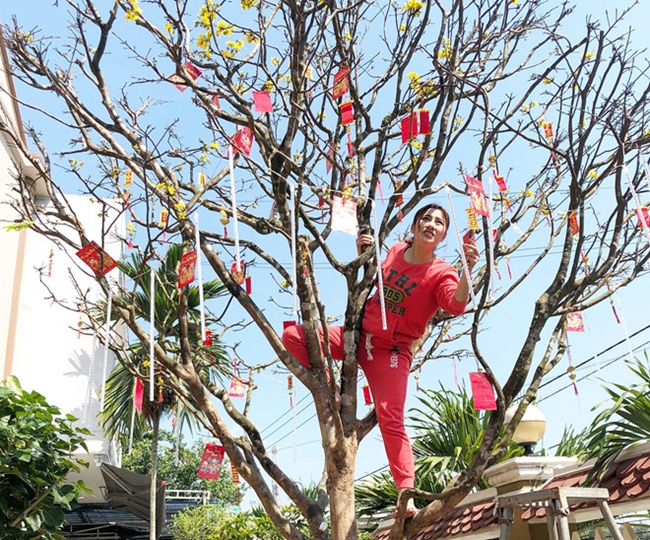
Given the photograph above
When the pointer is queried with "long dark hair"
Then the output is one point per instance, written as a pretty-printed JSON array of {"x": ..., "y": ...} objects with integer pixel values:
[{"x": 421, "y": 211}]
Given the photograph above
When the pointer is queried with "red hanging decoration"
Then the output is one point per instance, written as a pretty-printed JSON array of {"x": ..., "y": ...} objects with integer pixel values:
[
  {"x": 128, "y": 177},
  {"x": 262, "y": 101},
  {"x": 409, "y": 127},
  {"x": 477, "y": 196},
  {"x": 237, "y": 388},
  {"x": 574, "y": 322},
  {"x": 367, "y": 396},
  {"x": 99, "y": 261},
  {"x": 186, "y": 268},
  {"x": 548, "y": 130},
  {"x": 215, "y": 100},
  {"x": 424, "y": 124},
  {"x": 238, "y": 274},
  {"x": 341, "y": 82},
  {"x": 211, "y": 461},
  {"x": 482, "y": 391},
  {"x": 178, "y": 81},
  {"x": 573, "y": 222},
  {"x": 138, "y": 395},
  {"x": 207, "y": 341},
  {"x": 500, "y": 182},
  {"x": 242, "y": 141},
  {"x": 249, "y": 285},
  {"x": 347, "y": 113},
  {"x": 472, "y": 219}
]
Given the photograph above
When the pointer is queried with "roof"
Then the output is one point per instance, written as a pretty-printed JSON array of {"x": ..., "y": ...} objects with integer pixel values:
[{"x": 628, "y": 480}]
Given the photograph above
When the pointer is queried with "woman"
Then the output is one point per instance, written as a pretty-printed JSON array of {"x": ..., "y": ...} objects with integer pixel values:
[{"x": 416, "y": 284}]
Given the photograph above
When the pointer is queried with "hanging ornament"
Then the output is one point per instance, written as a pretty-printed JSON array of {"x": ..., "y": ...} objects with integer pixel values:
[
  {"x": 80, "y": 324},
  {"x": 164, "y": 218},
  {"x": 262, "y": 101},
  {"x": 548, "y": 130},
  {"x": 573, "y": 222},
  {"x": 367, "y": 396},
  {"x": 186, "y": 268},
  {"x": 130, "y": 228},
  {"x": 341, "y": 82},
  {"x": 208, "y": 338},
  {"x": 237, "y": 387},
  {"x": 290, "y": 389},
  {"x": 211, "y": 461},
  {"x": 234, "y": 473},
  {"x": 192, "y": 71},
  {"x": 500, "y": 182},
  {"x": 472, "y": 219},
  {"x": 347, "y": 113},
  {"x": 571, "y": 370},
  {"x": 482, "y": 391},
  {"x": 99, "y": 261},
  {"x": 50, "y": 262},
  {"x": 238, "y": 272},
  {"x": 409, "y": 126},
  {"x": 138, "y": 394},
  {"x": 249, "y": 285},
  {"x": 344, "y": 215},
  {"x": 128, "y": 177},
  {"x": 477, "y": 196},
  {"x": 424, "y": 124},
  {"x": 643, "y": 217},
  {"x": 215, "y": 101},
  {"x": 242, "y": 141},
  {"x": 201, "y": 179},
  {"x": 574, "y": 322}
]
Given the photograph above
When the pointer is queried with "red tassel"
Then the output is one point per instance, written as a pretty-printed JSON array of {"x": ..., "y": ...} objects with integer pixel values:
[
  {"x": 249, "y": 285},
  {"x": 367, "y": 397},
  {"x": 208, "y": 338},
  {"x": 618, "y": 321},
  {"x": 500, "y": 182}
]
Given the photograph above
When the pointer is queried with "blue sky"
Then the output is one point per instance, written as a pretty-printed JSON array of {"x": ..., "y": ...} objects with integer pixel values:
[{"x": 296, "y": 434}]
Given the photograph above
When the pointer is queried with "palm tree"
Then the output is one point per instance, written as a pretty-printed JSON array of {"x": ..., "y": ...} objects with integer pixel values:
[
  {"x": 118, "y": 413},
  {"x": 448, "y": 433}
]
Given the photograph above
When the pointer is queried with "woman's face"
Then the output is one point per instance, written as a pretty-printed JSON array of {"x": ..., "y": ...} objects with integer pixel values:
[{"x": 430, "y": 229}]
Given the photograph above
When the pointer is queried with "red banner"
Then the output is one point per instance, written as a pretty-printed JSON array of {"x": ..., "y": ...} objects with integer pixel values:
[{"x": 482, "y": 391}]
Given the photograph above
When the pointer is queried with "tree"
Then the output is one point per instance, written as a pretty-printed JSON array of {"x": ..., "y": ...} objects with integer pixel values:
[
  {"x": 178, "y": 464},
  {"x": 37, "y": 446},
  {"x": 499, "y": 80}
]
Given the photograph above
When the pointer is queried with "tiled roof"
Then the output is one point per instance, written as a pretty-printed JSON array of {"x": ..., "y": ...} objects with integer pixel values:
[
  {"x": 461, "y": 520},
  {"x": 626, "y": 480}
]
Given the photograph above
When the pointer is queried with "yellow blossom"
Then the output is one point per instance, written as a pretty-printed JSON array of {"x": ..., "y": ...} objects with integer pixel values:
[
  {"x": 251, "y": 37},
  {"x": 593, "y": 174},
  {"x": 534, "y": 103},
  {"x": 284, "y": 283},
  {"x": 547, "y": 80},
  {"x": 528, "y": 193},
  {"x": 275, "y": 61},
  {"x": 224, "y": 28},
  {"x": 247, "y": 4},
  {"x": 415, "y": 80},
  {"x": 413, "y": 6},
  {"x": 214, "y": 145},
  {"x": 417, "y": 145},
  {"x": 134, "y": 12},
  {"x": 169, "y": 27},
  {"x": 525, "y": 108},
  {"x": 447, "y": 50},
  {"x": 203, "y": 40},
  {"x": 207, "y": 14},
  {"x": 28, "y": 37},
  {"x": 514, "y": 2},
  {"x": 402, "y": 28},
  {"x": 588, "y": 55},
  {"x": 347, "y": 36},
  {"x": 269, "y": 86}
]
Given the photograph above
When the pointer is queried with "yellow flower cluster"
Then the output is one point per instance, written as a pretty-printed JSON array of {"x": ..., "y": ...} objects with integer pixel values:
[
  {"x": 203, "y": 43},
  {"x": 588, "y": 55},
  {"x": 247, "y": 4},
  {"x": 133, "y": 13},
  {"x": 413, "y": 6},
  {"x": 164, "y": 187},
  {"x": 207, "y": 14},
  {"x": 447, "y": 51},
  {"x": 415, "y": 80},
  {"x": 224, "y": 28},
  {"x": 251, "y": 37},
  {"x": 593, "y": 174}
]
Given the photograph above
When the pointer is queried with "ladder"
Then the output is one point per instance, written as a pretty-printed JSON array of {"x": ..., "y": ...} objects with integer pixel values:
[{"x": 557, "y": 502}]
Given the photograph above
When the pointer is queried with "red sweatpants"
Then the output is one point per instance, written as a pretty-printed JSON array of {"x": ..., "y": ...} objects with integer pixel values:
[{"x": 386, "y": 366}]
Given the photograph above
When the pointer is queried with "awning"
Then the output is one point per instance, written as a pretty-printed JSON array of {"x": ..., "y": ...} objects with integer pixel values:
[{"x": 129, "y": 492}]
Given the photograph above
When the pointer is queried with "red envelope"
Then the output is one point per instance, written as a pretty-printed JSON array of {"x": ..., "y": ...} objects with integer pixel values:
[
  {"x": 482, "y": 391},
  {"x": 186, "y": 268},
  {"x": 211, "y": 461},
  {"x": 99, "y": 261},
  {"x": 262, "y": 101}
]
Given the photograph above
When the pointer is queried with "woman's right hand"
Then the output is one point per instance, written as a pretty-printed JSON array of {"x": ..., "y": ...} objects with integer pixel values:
[{"x": 364, "y": 239}]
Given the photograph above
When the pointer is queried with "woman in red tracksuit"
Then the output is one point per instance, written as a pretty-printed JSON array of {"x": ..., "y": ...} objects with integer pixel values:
[{"x": 416, "y": 284}]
